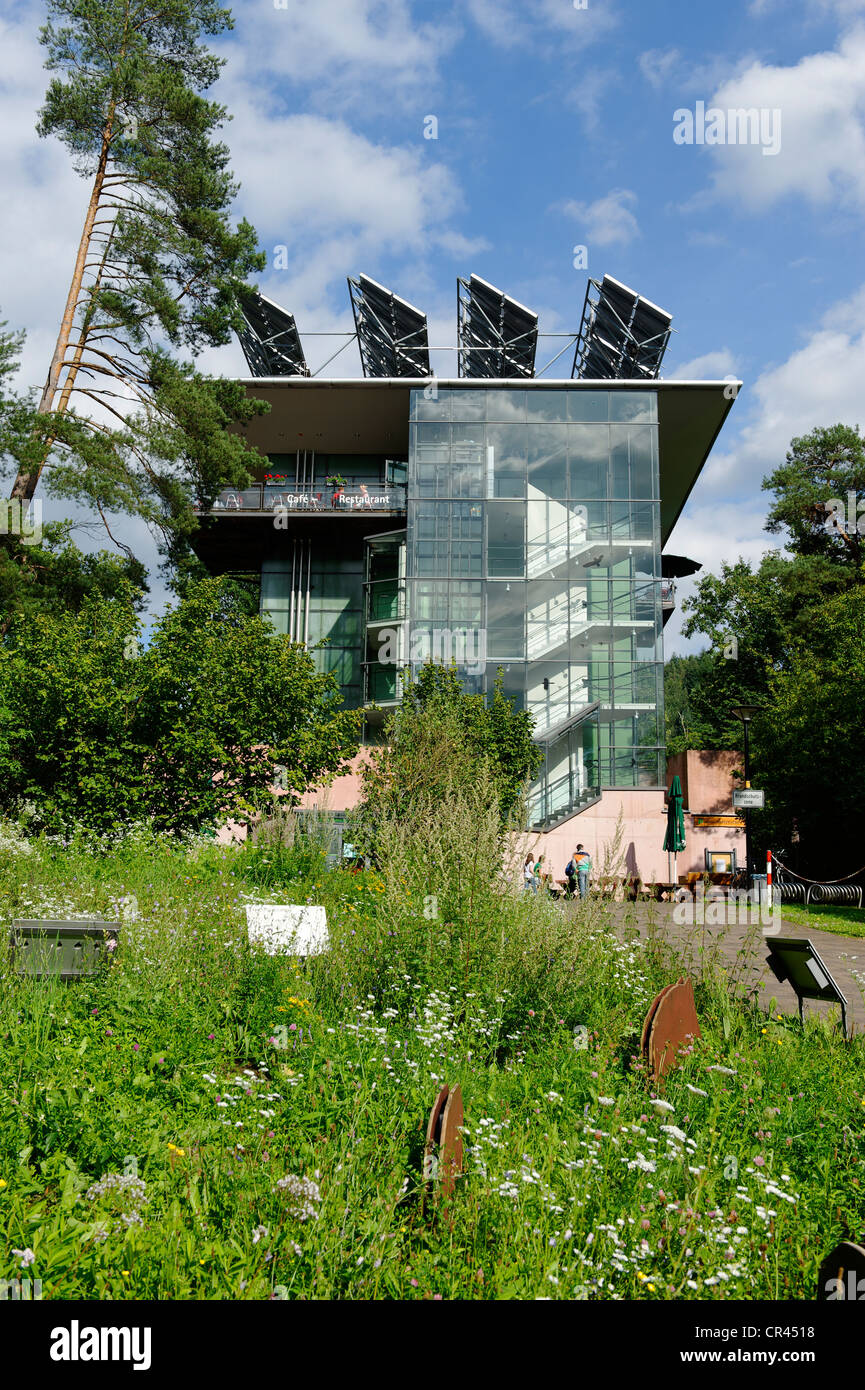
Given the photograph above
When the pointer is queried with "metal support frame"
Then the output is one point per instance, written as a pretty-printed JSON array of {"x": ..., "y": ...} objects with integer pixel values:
[
  {"x": 615, "y": 356},
  {"x": 385, "y": 351},
  {"x": 511, "y": 357}
]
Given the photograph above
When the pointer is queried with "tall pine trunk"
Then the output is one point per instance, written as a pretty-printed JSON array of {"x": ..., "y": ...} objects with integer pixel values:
[{"x": 25, "y": 483}]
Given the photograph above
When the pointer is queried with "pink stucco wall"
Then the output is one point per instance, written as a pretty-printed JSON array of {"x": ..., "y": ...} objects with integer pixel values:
[
  {"x": 707, "y": 785},
  {"x": 707, "y": 789},
  {"x": 641, "y": 855}
]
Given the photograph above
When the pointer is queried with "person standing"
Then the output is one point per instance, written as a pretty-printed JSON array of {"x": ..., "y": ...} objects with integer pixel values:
[
  {"x": 584, "y": 868},
  {"x": 530, "y": 883},
  {"x": 571, "y": 875}
]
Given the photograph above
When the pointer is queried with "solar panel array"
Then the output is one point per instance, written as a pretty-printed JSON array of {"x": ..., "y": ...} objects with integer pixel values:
[
  {"x": 391, "y": 333},
  {"x": 270, "y": 340},
  {"x": 496, "y": 336},
  {"x": 623, "y": 336}
]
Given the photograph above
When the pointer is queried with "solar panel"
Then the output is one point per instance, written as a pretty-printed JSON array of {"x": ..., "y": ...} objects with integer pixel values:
[
  {"x": 650, "y": 331},
  {"x": 498, "y": 337},
  {"x": 391, "y": 333},
  {"x": 270, "y": 340},
  {"x": 623, "y": 336}
]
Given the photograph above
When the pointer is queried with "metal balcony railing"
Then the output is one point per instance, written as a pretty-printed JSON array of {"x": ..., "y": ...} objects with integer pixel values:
[
  {"x": 316, "y": 498},
  {"x": 386, "y": 601}
]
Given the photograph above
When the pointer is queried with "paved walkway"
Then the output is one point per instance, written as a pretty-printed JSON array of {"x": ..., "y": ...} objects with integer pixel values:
[{"x": 741, "y": 950}]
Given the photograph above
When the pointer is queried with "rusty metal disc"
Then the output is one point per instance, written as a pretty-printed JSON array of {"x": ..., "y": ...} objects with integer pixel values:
[
  {"x": 842, "y": 1274},
  {"x": 433, "y": 1134},
  {"x": 451, "y": 1141},
  {"x": 653, "y": 1009},
  {"x": 672, "y": 1027}
]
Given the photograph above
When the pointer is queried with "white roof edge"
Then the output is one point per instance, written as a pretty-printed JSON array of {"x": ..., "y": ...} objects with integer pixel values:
[{"x": 484, "y": 383}]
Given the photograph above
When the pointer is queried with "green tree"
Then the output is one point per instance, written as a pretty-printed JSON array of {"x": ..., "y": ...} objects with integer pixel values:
[
  {"x": 809, "y": 744},
  {"x": 820, "y": 468},
  {"x": 435, "y": 745},
  {"x": 685, "y": 728},
  {"x": 158, "y": 267},
  {"x": 186, "y": 733},
  {"x": 55, "y": 575}
]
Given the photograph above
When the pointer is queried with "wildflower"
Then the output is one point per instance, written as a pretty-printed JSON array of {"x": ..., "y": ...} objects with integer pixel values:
[
  {"x": 606, "y": 1100},
  {"x": 2, "y": 1182},
  {"x": 259, "y": 1233},
  {"x": 27, "y": 1256},
  {"x": 663, "y": 1105}
]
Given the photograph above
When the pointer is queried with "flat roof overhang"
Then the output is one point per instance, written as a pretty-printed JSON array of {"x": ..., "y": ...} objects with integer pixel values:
[{"x": 371, "y": 416}]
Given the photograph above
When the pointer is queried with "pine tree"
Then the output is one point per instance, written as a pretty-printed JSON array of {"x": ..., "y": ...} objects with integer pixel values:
[{"x": 159, "y": 263}]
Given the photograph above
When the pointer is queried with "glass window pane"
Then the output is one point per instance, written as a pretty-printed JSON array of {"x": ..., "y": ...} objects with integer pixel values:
[
  {"x": 506, "y": 619},
  {"x": 548, "y": 527},
  {"x": 588, "y": 460},
  {"x": 507, "y": 406},
  {"x": 639, "y": 406},
  {"x": 588, "y": 405},
  {"x": 468, "y": 404},
  {"x": 546, "y": 405},
  {"x": 548, "y": 460},
  {"x": 431, "y": 403},
  {"x": 506, "y": 544},
  {"x": 507, "y": 451}
]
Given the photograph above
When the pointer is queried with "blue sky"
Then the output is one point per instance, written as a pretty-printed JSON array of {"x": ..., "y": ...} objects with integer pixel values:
[{"x": 555, "y": 128}]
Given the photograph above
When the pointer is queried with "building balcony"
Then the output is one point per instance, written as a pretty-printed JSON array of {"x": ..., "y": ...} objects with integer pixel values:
[{"x": 307, "y": 500}]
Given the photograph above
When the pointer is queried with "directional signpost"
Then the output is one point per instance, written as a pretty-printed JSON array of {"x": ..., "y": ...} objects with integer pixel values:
[{"x": 748, "y": 799}]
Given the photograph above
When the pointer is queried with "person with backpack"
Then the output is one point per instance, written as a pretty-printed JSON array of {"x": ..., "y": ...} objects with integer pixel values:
[
  {"x": 584, "y": 868},
  {"x": 571, "y": 875}
]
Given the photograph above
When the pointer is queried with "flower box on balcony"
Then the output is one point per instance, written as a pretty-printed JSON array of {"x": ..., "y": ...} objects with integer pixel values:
[{"x": 67, "y": 950}]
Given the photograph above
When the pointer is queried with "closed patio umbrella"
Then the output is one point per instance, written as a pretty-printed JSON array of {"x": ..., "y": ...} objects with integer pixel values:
[{"x": 674, "y": 838}]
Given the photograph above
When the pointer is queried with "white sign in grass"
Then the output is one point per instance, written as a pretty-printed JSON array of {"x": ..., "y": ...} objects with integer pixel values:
[{"x": 287, "y": 930}]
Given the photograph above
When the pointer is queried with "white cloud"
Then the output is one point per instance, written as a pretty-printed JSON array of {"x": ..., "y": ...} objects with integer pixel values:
[
  {"x": 658, "y": 65},
  {"x": 818, "y": 384},
  {"x": 511, "y": 24},
  {"x": 342, "y": 52},
  {"x": 711, "y": 366},
  {"x": 711, "y": 533},
  {"x": 821, "y": 100},
  {"x": 608, "y": 221}
]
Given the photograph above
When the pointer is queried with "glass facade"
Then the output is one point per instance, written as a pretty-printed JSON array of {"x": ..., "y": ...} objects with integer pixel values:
[
  {"x": 328, "y": 603},
  {"x": 533, "y": 545}
]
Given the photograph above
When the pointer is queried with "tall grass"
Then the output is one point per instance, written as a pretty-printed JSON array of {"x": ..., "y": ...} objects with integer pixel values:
[{"x": 273, "y": 1110}]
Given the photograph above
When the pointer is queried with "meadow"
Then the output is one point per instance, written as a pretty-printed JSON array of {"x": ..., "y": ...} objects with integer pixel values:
[{"x": 202, "y": 1121}]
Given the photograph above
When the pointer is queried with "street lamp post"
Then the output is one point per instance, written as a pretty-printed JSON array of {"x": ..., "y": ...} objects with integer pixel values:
[{"x": 746, "y": 714}]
